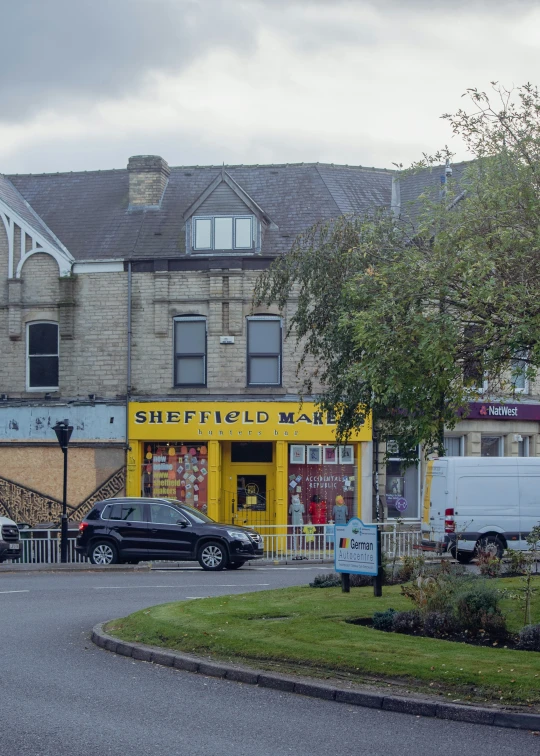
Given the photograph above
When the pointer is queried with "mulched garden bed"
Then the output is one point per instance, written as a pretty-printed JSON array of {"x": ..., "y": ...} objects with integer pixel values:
[{"x": 482, "y": 639}]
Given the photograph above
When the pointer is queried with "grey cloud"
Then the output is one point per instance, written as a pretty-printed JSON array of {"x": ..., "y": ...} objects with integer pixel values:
[
  {"x": 188, "y": 146},
  {"x": 63, "y": 54},
  {"x": 61, "y": 51}
]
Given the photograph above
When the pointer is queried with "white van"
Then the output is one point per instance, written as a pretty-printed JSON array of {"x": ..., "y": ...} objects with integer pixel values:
[
  {"x": 10, "y": 543},
  {"x": 486, "y": 502}
]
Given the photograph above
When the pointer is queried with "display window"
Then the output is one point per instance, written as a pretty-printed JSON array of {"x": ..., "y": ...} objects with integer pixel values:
[
  {"x": 176, "y": 470},
  {"x": 322, "y": 485},
  {"x": 402, "y": 487}
]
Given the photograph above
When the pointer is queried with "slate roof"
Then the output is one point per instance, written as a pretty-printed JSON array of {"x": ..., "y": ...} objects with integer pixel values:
[
  {"x": 428, "y": 181},
  {"x": 88, "y": 211},
  {"x": 17, "y": 203}
]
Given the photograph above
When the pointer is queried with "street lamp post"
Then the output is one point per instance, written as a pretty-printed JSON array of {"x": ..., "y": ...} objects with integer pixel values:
[{"x": 63, "y": 432}]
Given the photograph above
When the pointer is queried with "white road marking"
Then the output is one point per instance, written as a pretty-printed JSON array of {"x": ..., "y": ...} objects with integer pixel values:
[
  {"x": 181, "y": 587},
  {"x": 15, "y": 591}
]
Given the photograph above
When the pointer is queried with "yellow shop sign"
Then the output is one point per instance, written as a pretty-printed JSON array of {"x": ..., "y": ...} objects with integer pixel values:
[{"x": 263, "y": 421}]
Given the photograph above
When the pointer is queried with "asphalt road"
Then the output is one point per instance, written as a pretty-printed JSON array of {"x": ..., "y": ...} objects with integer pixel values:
[{"x": 62, "y": 696}]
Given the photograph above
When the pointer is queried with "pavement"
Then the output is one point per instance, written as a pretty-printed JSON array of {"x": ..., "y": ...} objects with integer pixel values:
[{"x": 61, "y": 695}]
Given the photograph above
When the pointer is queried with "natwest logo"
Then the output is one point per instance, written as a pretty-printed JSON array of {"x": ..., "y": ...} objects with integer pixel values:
[
  {"x": 483, "y": 410},
  {"x": 501, "y": 410}
]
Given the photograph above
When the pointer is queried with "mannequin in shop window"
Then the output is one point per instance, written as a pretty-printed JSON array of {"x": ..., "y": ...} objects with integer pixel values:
[
  {"x": 296, "y": 511},
  {"x": 317, "y": 515},
  {"x": 339, "y": 512}
]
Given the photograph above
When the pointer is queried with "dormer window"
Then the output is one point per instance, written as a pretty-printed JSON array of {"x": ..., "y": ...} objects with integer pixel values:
[{"x": 223, "y": 233}]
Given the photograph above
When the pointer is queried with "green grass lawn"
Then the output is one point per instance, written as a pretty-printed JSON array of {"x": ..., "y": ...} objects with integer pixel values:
[{"x": 304, "y": 630}]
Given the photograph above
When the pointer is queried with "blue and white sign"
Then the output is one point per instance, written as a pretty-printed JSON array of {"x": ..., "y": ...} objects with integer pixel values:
[{"x": 355, "y": 548}]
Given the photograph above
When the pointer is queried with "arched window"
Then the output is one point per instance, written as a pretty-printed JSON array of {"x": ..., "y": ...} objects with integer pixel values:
[
  {"x": 42, "y": 356},
  {"x": 190, "y": 350}
]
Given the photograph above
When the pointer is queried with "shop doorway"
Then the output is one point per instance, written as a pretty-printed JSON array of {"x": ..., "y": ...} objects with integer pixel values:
[{"x": 248, "y": 493}]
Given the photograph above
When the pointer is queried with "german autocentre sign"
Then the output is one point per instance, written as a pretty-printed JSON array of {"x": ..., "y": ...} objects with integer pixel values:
[{"x": 355, "y": 548}]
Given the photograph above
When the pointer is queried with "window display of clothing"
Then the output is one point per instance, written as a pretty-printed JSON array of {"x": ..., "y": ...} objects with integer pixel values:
[
  {"x": 339, "y": 512},
  {"x": 317, "y": 510},
  {"x": 296, "y": 510}
]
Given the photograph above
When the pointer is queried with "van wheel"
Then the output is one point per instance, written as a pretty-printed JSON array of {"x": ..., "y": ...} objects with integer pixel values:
[
  {"x": 465, "y": 557},
  {"x": 103, "y": 552},
  {"x": 213, "y": 556},
  {"x": 492, "y": 545}
]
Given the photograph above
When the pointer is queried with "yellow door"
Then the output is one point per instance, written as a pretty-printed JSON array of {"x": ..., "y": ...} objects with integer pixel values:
[{"x": 248, "y": 495}]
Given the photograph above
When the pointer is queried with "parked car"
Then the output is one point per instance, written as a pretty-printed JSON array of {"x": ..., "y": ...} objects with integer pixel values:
[
  {"x": 132, "y": 529},
  {"x": 10, "y": 545},
  {"x": 490, "y": 503}
]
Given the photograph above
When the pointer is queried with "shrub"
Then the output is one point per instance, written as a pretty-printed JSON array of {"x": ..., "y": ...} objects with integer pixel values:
[
  {"x": 407, "y": 622},
  {"x": 326, "y": 580},
  {"x": 360, "y": 581},
  {"x": 439, "y": 625},
  {"x": 489, "y": 564},
  {"x": 384, "y": 620},
  {"x": 494, "y": 625},
  {"x": 436, "y": 593},
  {"x": 476, "y": 607},
  {"x": 411, "y": 567},
  {"x": 332, "y": 580},
  {"x": 517, "y": 562},
  {"x": 529, "y": 638}
]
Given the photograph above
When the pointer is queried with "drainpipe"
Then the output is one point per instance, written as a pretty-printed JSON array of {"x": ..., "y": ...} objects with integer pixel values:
[{"x": 128, "y": 366}]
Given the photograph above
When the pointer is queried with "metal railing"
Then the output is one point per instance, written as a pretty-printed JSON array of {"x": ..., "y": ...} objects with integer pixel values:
[
  {"x": 282, "y": 543},
  {"x": 43, "y": 547}
]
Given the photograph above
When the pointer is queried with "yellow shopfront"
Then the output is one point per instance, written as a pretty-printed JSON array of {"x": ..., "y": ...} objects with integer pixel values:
[{"x": 253, "y": 463}]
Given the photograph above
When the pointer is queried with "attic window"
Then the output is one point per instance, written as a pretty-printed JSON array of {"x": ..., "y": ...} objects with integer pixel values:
[{"x": 223, "y": 232}]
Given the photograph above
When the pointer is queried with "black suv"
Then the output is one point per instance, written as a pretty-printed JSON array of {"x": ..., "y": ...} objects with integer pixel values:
[{"x": 132, "y": 529}]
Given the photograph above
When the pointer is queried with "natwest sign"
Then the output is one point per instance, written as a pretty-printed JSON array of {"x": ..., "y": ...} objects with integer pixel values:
[{"x": 496, "y": 411}]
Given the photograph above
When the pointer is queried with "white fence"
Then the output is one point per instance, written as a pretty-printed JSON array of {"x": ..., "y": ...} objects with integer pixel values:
[
  {"x": 282, "y": 543},
  {"x": 43, "y": 547}
]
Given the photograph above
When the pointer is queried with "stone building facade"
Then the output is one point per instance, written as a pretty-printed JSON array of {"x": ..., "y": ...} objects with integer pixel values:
[{"x": 126, "y": 308}]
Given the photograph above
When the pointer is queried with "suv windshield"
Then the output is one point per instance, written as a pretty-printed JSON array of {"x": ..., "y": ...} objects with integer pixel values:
[{"x": 195, "y": 514}]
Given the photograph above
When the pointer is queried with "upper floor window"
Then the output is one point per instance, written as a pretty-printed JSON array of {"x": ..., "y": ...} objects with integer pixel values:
[
  {"x": 223, "y": 232},
  {"x": 190, "y": 351},
  {"x": 264, "y": 351},
  {"x": 474, "y": 376},
  {"x": 520, "y": 382},
  {"x": 42, "y": 356}
]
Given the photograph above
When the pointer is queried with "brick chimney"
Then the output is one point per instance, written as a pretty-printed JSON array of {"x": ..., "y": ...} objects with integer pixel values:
[{"x": 148, "y": 176}]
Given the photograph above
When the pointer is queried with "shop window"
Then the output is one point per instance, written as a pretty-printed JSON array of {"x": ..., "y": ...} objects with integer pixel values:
[
  {"x": 524, "y": 446},
  {"x": 42, "y": 356},
  {"x": 322, "y": 484},
  {"x": 251, "y": 451},
  {"x": 264, "y": 351},
  {"x": 190, "y": 351},
  {"x": 176, "y": 470},
  {"x": 402, "y": 486},
  {"x": 491, "y": 446},
  {"x": 454, "y": 446}
]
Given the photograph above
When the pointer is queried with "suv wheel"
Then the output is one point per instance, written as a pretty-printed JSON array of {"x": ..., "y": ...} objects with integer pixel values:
[
  {"x": 213, "y": 556},
  {"x": 103, "y": 552}
]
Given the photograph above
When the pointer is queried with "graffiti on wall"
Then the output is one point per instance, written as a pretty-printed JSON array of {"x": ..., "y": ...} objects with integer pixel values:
[{"x": 24, "y": 505}]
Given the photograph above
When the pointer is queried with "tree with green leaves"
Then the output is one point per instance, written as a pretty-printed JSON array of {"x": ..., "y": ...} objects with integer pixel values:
[{"x": 404, "y": 315}]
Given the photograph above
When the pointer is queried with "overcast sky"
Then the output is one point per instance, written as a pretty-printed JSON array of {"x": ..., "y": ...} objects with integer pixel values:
[{"x": 84, "y": 85}]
